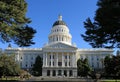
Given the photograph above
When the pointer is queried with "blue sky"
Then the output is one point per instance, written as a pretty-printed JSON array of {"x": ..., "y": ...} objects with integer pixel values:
[{"x": 44, "y": 13}]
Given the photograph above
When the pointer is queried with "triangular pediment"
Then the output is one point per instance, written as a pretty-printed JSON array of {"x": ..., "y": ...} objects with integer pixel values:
[{"x": 60, "y": 45}]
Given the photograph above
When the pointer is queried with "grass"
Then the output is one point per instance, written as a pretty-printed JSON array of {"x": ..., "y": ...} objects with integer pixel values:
[
  {"x": 10, "y": 78},
  {"x": 110, "y": 81}
]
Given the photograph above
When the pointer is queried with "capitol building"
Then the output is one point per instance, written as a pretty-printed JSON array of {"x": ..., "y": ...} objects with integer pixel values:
[{"x": 59, "y": 54}]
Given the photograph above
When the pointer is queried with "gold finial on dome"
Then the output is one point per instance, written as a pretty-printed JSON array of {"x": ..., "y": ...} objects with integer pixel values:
[{"x": 60, "y": 17}]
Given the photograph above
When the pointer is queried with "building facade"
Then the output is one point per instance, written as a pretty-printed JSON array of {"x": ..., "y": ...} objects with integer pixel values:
[{"x": 59, "y": 54}]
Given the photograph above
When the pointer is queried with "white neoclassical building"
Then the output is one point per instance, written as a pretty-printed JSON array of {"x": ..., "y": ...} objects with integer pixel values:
[{"x": 59, "y": 54}]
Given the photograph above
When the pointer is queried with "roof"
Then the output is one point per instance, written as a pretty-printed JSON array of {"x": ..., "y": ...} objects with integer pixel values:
[{"x": 59, "y": 22}]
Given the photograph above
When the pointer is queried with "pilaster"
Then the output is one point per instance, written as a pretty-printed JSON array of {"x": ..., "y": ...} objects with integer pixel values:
[
  {"x": 57, "y": 60},
  {"x": 67, "y": 59},
  {"x": 67, "y": 73},
  {"x": 51, "y": 59},
  {"x": 63, "y": 60},
  {"x": 46, "y": 60}
]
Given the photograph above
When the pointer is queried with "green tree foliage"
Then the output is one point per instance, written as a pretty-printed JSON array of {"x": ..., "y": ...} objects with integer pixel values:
[
  {"x": 8, "y": 66},
  {"x": 112, "y": 66},
  {"x": 37, "y": 67},
  {"x": 83, "y": 67},
  {"x": 104, "y": 31},
  {"x": 13, "y": 23}
]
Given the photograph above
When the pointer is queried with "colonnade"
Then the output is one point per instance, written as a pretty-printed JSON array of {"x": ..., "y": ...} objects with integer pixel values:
[
  {"x": 56, "y": 59},
  {"x": 60, "y": 38},
  {"x": 65, "y": 73}
]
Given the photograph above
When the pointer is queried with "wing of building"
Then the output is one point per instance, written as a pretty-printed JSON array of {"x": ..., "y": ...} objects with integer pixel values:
[{"x": 59, "y": 54}]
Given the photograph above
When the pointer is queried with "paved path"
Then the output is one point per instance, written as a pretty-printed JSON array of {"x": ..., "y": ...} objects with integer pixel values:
[{"x": 59, "y": 79}]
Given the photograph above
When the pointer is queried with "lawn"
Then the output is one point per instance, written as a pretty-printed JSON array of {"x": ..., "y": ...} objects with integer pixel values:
[
  {"x": 110, "y": 81},
  {"x": 10, "y": 78}
]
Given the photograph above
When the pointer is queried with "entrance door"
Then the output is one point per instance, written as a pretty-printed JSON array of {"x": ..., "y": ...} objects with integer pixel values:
[
  {"x": 59, "y": 73},
  {"x": 54, "y": 72},
  {"x": 65, "y": 72},
  {"x": 70, "y": 73},
  {"x": 48, "y": 72}
]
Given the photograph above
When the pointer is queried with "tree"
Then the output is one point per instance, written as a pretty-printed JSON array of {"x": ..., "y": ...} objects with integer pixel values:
[
  {"x": 104, "y": 31},
  {"x": 112, "y": 66},
  {"x": 83, "y": 67},
  {"x": 8, "y": 66},
  {"x": 13, "y": 23},
  {"x": 37, "y": 67}
]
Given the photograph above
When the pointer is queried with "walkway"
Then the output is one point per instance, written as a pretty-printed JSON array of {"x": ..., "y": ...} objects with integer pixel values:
[{"x": 59, "y": 79}]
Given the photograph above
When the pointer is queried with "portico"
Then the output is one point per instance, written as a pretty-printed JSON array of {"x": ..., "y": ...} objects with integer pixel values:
[
  {"x": 59, "y": 64},
  {"x": 59, "y": 59}
]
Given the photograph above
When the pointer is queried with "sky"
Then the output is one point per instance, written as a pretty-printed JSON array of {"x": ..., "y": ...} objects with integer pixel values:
[{"x": 44, "y": 13}]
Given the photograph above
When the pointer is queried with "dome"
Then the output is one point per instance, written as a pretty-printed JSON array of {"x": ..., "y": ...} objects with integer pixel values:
[
  {"x": 60, "y": 32},
  {"x": 59, "y": 22}
]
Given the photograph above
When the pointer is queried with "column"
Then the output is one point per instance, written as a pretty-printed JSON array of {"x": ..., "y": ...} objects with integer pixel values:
[
  {"x": 75, "y": 64},
  {"x": 57, "y": 60},
  {"x": 51, "y": 59},
  {"x": 67, "y": 59},
  {"x": 55, "y": 38},
  {"x": 18, "y": 58},
  {"x": 51, "y": 72},
  {"x": 58, "y": 38},
  {"x": 56, "y": 72},
  {"x": 46, "y": 60},
  {"x": 67, "y": 73},
  {"x": 73, "y": 60},
  {"x": 62, "y": 60},
  {"x": 62, "y": 72}
]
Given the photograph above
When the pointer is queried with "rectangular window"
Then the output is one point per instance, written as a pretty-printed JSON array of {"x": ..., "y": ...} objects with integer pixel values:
[
  {"x": 26, "y": 57},
  {"x": 65, "y": 63},
  {"x": 92, "y": 58},
  {"x": 69, "y": 57},
  {"x": 31, "y": 65},
  {"x": 65, "y": 56},
  {"x": 50, "y": 56},
  {"x": 53, "y": 56},
  {"x": 92, "y": 64},
  {"x": 26, "y": 65},
  {"x": 98, "y": 64},
  {"x": 48, "y": 72},
  {"x": 97, "y": 59},
  {"x": 81, "y": 57},
  {"x": 53, "y": 63},
  {"x": 31, "y": 58},
  {"x": 59, "y": 63},
  {"x": 69, "y": 63},
  {"x": 49, "y": 63}
]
